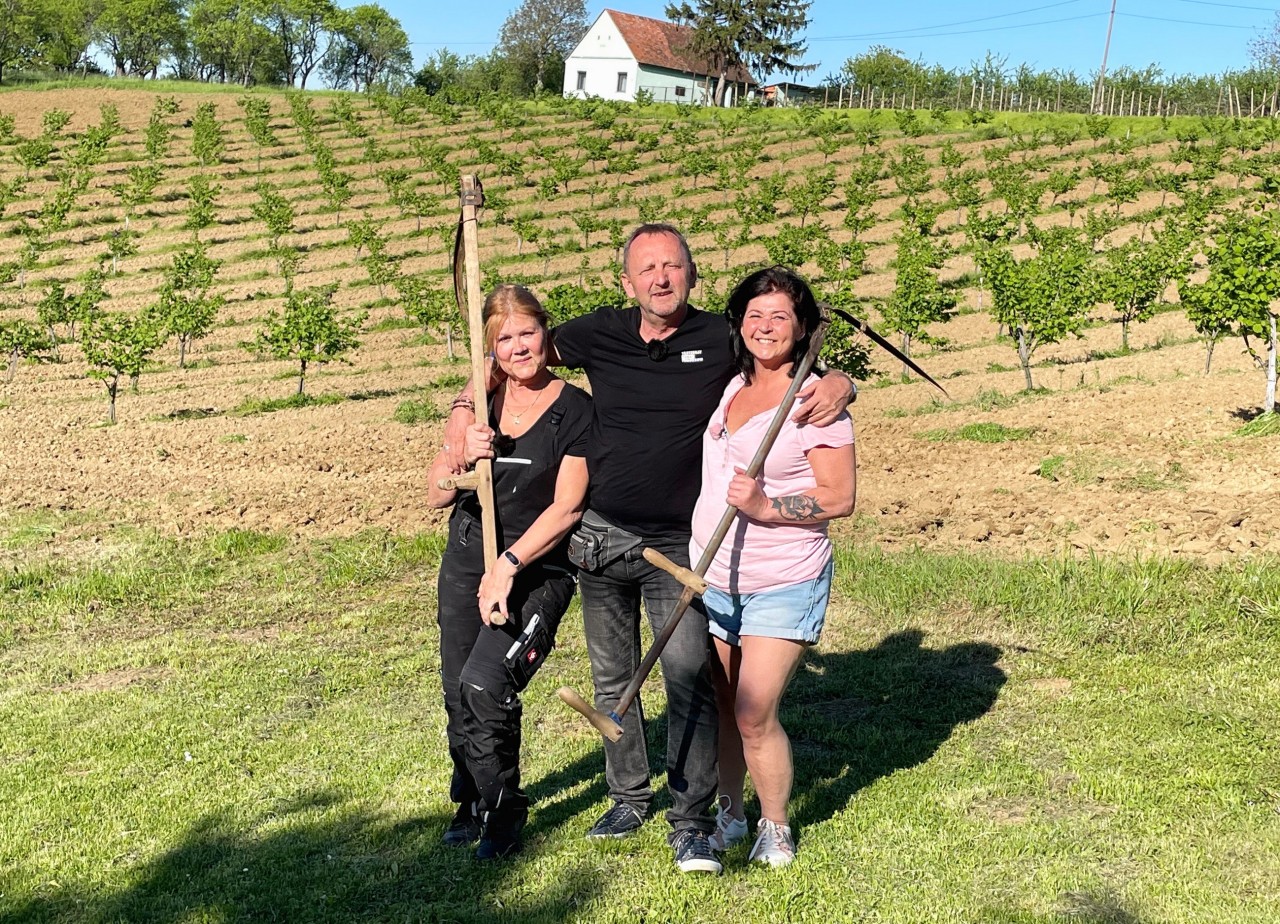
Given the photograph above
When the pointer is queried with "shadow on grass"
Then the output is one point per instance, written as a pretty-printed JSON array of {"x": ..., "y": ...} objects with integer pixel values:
[
  {"x": 315, "y": 860},
  {"x": 551, "y": 810},
  {"x": 854, "y": 717}
]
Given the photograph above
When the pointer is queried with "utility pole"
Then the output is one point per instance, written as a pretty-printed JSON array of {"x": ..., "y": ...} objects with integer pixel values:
[{"x": 1099, "y": 89}]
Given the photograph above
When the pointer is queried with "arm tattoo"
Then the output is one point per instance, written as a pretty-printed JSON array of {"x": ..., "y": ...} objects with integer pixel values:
[{"x": 797, "y": 507}]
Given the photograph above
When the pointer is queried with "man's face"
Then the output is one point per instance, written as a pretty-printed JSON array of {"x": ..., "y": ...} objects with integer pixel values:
[{"x": 658, "y": 276}]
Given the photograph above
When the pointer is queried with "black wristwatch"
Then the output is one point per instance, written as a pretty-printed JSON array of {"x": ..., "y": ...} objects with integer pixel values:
[{"x": 511, "y": 557}]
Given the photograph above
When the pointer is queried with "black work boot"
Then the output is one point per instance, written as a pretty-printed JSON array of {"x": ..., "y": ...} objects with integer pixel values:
[
  {"x": 500, "y": 834},
  {"x": 464, "y": 830}
]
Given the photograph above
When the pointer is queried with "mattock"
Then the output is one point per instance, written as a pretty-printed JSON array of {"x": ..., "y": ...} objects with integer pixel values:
[
  {"x": 466, "y": 256},
  {"x": 609, "y": 723}
]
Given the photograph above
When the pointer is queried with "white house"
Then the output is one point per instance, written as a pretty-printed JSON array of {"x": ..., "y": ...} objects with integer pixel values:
[{"x": 622, "y": 53}]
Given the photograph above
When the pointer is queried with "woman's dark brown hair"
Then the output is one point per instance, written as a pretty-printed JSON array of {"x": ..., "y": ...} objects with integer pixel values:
[{"x": 763, "y": 282}]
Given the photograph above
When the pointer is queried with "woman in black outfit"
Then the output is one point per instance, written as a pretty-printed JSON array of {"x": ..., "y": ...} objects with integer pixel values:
[{"x": 538, "y": 445}]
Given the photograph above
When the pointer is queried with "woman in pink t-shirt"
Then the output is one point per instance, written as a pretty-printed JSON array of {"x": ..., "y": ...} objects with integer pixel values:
[{"x": 770, "y": 580}]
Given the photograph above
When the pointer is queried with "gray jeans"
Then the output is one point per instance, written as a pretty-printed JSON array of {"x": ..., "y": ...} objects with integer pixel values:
[{"x": 611, "y": 598}]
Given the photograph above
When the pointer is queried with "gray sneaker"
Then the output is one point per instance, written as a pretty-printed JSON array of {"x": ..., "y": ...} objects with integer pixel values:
[
  {"x": 729, "y": 830},
  {"x": 773, "y": 844}
]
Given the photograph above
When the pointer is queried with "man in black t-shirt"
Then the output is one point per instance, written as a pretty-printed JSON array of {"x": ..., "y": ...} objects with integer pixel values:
[{"x": 657, "y": 373}]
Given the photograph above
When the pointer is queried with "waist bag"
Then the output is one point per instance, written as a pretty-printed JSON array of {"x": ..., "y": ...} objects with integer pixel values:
[{"x": 597, "y": 543}]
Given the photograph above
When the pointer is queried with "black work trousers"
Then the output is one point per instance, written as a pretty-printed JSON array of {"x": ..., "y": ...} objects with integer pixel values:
[{"x": 481, "y": 693}]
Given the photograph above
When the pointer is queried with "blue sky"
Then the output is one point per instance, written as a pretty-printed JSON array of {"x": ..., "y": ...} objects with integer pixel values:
[{"x": 1181, "y": 36}]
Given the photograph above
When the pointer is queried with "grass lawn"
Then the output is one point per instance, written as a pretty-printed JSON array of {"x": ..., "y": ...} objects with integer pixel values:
[{"x": 248, "y": 727}]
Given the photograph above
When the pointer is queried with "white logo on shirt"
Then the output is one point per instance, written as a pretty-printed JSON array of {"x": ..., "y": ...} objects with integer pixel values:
[{"x": 691, "y": 356}]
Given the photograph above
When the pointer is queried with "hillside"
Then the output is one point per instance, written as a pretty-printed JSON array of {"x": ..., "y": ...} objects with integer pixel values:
[{"x": 1117, "y": 451}]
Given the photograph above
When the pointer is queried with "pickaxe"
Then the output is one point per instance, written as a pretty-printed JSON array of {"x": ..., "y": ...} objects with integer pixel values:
[
  {"x": 609, "y": 723},
  {"x": 466, "y": 256}
]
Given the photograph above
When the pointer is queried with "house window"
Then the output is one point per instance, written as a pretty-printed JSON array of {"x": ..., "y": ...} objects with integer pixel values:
[
  {"x": 582, "y": 80},
  {"x": 681, "y": 91},
  {"x": 622, "y": 81}
]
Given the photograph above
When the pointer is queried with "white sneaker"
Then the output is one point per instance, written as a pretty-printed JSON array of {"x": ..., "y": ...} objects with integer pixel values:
[
  {"x": 773, "y": 844},
  {"x": 729, "y": 830}
]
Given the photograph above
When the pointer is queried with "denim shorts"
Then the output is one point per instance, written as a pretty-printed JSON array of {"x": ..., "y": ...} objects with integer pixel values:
[{"x": 796, "y": 611}]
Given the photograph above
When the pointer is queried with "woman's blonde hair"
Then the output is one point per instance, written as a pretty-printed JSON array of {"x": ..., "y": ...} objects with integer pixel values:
[{"x": 509, "y": 300}]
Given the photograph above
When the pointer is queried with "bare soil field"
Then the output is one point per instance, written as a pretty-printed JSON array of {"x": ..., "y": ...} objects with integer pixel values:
[{"x": 1129, "y": 454}]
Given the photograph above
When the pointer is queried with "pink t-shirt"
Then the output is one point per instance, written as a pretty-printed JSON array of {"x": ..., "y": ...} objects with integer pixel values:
[{"x": 761, "y": 556}]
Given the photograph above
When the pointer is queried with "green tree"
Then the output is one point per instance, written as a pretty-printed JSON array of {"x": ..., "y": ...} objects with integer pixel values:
[
  {"x": 207, "y": 143},
  {"x": 1244, "y": 285},
  {"x": 1044, "y": 297},
  {"x": 202, "y": 193},
  {"x": 808, "y": 194},
  {"x": 19, "y": 38},
  {"x": 369, "y": 49},
  {"x": 143, "y": 179},
  {"x": 121, "y": 243},
  {"x": 21, "y": 339},
  {"x": 337, "y": 189},
  {"x": 427, "y": 303},
  {"x": 300, "y": 29},
  {"x": 33, "y": 153},
  {"x": 274, "y": 211},
  {"x": 137, "y": 34},
  {"x": 541, "y": 33},
  {"x": 58, "y": 306},
  {"x": 861, "y": 193},
  {"x": 1134, "y": 276},
  {"x": 64, "y": 32},
  {"x": 309, "y": 331},
  {"x": 231, "y": 39},
  {"x": 883, "y": 69},
  {"x": 758, "y": 35},
  {"x": 117, "y": 345},
  {"x": 918, "y": 299},
  {"x": 158, "y": 133},
  {"x": 1207, "y": 315},
  {"x": 187, "y": 308},
  {"x": 257, "y": 121}
]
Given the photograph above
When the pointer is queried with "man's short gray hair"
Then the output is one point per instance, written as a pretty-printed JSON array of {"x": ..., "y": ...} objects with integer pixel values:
[{"x": 656, "y": 228}]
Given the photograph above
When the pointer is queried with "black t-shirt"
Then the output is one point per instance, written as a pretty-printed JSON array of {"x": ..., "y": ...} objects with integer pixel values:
[
  {"x": 645, "y": 452},
  {"x": 525, "y": 470}
]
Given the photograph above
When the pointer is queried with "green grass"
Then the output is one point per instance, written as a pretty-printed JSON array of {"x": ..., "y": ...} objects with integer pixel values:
[
  {"x": 450, "y": 380},
  {"x": 250, "y": 406},
  {"x": 393, "y": 323},
  {"x": 417, "y": 411},
  {"x": 985, "y": 432},
  {"x": 247, "y": 726},
  {"x": 1267, "y": 424},
  {"x": 1053, "y": 468}
]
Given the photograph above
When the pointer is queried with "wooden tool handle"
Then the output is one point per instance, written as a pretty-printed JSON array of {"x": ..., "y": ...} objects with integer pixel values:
[
  {"x": 471, "y": 198},
  {"x": 694, "y": 582},
  {"x": 602, "y": 723},
  {"x": 467, "y": 481},
  {"x": 726, "y": 521}
]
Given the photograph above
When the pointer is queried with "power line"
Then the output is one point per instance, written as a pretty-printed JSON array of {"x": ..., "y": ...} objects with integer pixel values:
[
  {"x": 908, "y": 33},
  {"x": 947, "y": 25},
  {"x": 1230, "y": 6},
  {"x": 1186, "y": 22}
]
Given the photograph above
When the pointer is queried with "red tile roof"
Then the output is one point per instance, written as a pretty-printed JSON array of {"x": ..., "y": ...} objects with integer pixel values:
[{"x": 665, "y": 44}]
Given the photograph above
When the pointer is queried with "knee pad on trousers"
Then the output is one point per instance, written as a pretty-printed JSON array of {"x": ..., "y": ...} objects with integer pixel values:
[{"x": 492, "y": 724}]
